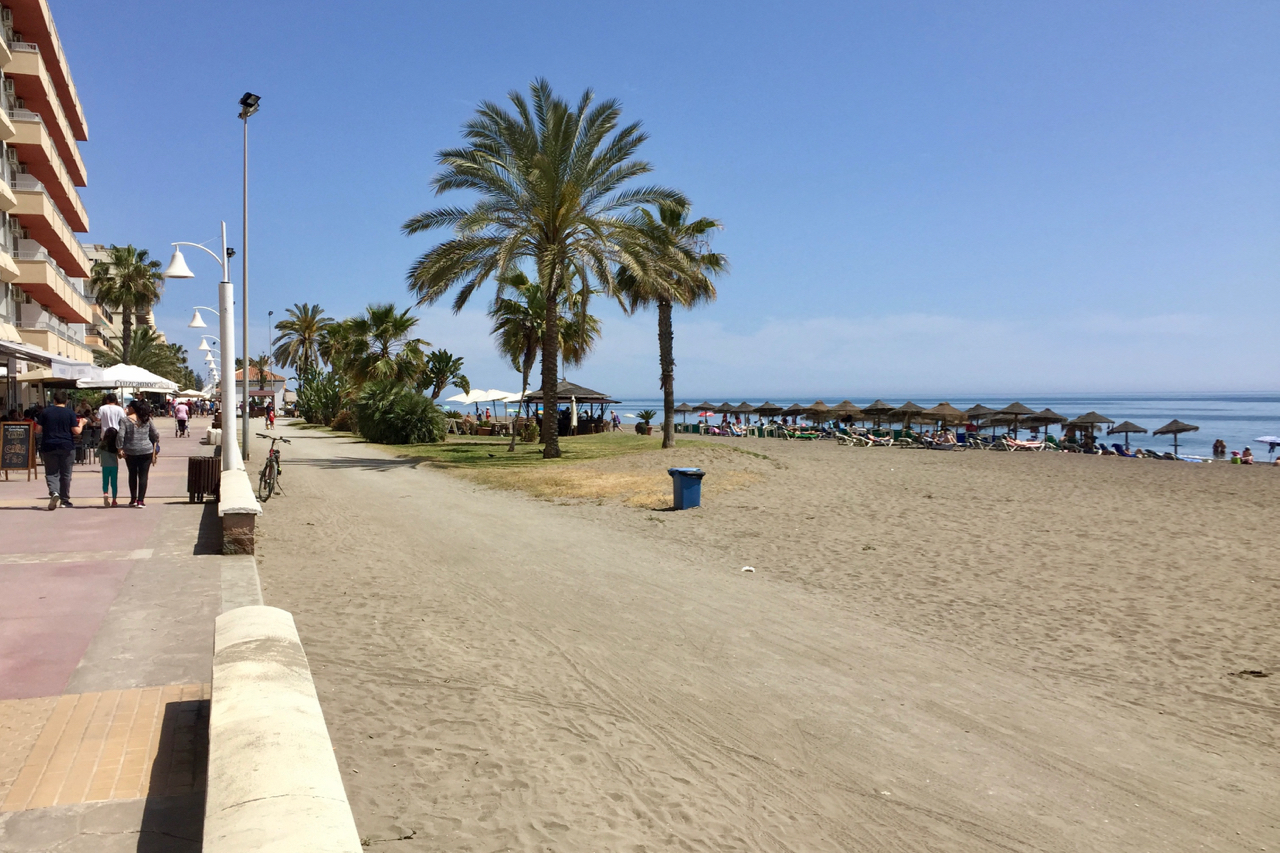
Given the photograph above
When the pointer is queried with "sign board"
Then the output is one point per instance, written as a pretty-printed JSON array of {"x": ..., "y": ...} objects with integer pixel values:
[{"x": 18, "y": 447}]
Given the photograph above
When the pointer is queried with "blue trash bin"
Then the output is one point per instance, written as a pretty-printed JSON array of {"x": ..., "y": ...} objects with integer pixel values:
[{"x": 687, "y": 486}]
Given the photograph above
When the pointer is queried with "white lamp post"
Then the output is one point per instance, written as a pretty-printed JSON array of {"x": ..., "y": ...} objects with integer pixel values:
[{"x": 231, "y": 454}]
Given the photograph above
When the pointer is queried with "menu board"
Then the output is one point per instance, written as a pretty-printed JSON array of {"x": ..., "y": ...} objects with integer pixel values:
[{"x": 17, "y": 447}]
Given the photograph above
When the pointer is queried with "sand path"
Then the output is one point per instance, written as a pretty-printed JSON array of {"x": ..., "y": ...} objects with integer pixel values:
[{"x": 500, "y": 673}]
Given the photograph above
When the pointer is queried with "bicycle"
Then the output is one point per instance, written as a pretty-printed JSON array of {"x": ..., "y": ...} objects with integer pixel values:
[{"x": 269, "y": 479}]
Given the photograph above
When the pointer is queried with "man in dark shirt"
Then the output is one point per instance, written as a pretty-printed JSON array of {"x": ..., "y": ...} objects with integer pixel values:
[{"x": 57, "y": 427}]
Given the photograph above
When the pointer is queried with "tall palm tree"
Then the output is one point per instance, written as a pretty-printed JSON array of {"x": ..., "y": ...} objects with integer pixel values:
[
  {"x": 148, "y": 351},
  {"x": 682, "y": 276},
  {"x": 378, "y": 345},
  {"x": 128, "y": 282},
  {"x": 519, "y": 321},
  {"x": 550, "y": 179},
  {"x": 442, "y": 368},
  {"x": 262, "y": 366},
  {"x": 298, "y": 344}
]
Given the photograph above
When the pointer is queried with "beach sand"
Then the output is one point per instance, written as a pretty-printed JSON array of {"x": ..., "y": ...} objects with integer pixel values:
[{"x": 966, "y": 651}]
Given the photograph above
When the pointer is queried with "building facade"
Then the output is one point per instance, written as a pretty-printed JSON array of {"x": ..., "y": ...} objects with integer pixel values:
[{"x": 44, "y": 309}]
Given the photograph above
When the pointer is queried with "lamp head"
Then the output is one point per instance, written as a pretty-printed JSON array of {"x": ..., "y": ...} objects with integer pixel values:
[
  {"x": 197, "y": 322},
  {"x": 178, "y": 266},
  {"x": 248, "y": 104},
  {"x": 204, "y": 346}
]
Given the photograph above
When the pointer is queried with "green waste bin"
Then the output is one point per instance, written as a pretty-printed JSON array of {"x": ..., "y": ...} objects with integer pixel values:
[{"x": 686, "y": 487}]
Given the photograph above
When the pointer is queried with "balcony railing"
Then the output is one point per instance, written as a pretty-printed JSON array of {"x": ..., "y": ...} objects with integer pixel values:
[
  {"x": 25, "y": 46},
  {"x": 24, "y": 182},
  {"x": 71, "y": 336},
  {"x": 42, "y": 255}
]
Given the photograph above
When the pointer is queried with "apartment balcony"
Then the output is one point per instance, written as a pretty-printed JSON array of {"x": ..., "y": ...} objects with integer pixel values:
[
  {"x": 33, "y": 19},
  {"x": 32, "y": 83},
  {"x": 51, "y": 340},
  {"x": 8, "y": 269},
  {"x": 40, "y": 216},
  {"x": 37, "y": 150},
  {"x": 46, "y": 283}
]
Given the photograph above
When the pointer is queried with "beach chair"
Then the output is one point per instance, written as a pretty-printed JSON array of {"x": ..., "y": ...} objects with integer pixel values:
[
  {"x": 1120, "y": 451},
  {"x": 1013, "y": 444}
]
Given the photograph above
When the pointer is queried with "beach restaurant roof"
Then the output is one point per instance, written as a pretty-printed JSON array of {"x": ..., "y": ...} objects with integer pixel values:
[{"x": 567, "y": 392}]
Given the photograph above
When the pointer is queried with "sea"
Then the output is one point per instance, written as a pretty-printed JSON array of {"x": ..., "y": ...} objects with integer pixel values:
[{"x": 1238, "y": 419}]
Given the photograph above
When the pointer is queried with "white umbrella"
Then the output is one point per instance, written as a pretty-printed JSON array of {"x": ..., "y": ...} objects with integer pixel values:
[
  {"x": 129, "y": 376},
  {"x": 573, "y": 414},
  {"x": 1273, "y": 441}
]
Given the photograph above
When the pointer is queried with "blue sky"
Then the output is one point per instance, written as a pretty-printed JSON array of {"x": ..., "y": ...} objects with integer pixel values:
[{"x": 957, "y": 198}]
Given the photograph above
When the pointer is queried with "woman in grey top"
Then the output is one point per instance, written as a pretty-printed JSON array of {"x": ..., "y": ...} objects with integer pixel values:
[{"x": 141, "y": 443}]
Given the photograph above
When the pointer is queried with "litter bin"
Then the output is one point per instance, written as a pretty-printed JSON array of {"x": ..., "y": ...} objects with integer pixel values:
[{"x": 687, "y": 486}]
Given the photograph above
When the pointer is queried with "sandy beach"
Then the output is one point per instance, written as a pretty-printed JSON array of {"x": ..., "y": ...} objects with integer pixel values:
[{"x": 967, "y": 651}]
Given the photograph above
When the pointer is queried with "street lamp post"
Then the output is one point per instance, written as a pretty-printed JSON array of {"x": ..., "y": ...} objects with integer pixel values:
[
  {"x": 248, "y": 106},
  {"x": 178, "y": 268}
]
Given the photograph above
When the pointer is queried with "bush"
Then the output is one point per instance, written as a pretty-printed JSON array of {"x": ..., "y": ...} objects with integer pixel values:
[
  {"x": 320, "y": 396},
  {"x": 529, "y": 431},
  {"x": 393, "y": 413},
  {"x": 343, "y": 421}
]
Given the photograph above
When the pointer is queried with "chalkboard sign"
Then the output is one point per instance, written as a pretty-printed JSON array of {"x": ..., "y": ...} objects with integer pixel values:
[{"x": 18, "y": 447}]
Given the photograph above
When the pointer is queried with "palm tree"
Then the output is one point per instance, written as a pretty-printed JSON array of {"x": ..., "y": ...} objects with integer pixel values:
[
  {"x": 261, "y": 365},
  {"x": 518, "y": 325},
  {"x": 442, "y": 368},
  {"x": 128, "y": 282},
  {"x": 148, "y": 351},
  {"x": 550, "y": 180},
  {"x": 682, "y": 276},
  {"x": 298, "y": 344},
  {"x": 376, "y": 345}
]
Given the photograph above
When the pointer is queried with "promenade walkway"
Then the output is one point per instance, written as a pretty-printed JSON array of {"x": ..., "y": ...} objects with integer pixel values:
[{"x": 106, "y": 640}]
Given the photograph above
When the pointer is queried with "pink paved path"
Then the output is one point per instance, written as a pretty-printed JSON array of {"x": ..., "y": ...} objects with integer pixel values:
[{"x": 51, "y": 608}]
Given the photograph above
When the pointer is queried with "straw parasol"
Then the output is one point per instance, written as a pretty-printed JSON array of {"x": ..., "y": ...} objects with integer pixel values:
[
  {"x": 820, "y": 409},
  {"x": 847, "y": 409},
  {"x": 795, "y": 410},
  {"x": 723, "y": 409},
  {"x": 1175, "y": 428},
  {"x": 1126, "y": 428},
  {"x": 944, "y": 413},
  {"x": 1090, "y": 420},
  {"x": 1044, "y": 417},
  {"x": 1016, "y": 411},
  {"x": 743, "y": 408},
  {"x": 684, "y": 409},
  {"x": 768, "y": 409},
  {"x": 906, "y": 413},
  {"x": 704, "y": 406}
]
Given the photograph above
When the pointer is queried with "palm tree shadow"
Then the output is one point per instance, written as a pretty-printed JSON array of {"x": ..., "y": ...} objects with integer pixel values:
[{"x": 353, "y": 462}]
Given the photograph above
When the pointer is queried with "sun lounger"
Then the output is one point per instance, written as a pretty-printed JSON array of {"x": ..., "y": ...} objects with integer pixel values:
[
  {"x": 1120, "y": 451},
  {"x": 1014, "y": 444}
]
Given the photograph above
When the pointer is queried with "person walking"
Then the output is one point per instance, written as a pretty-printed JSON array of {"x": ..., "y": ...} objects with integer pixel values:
[
  {"x": 182, "y": 413},
  {"x": 111, "y": 413},
  {"x": 141, "y": 444},
  {"x": 57, "y": 427},
  {"x": 109, "y": 453}
]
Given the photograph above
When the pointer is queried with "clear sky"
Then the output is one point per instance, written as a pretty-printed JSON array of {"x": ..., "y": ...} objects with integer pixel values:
[{"x": 955, "y": 197}]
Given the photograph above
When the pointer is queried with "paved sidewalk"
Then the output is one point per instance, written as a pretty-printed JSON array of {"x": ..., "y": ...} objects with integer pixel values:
[{"x": 106, "y": 641}]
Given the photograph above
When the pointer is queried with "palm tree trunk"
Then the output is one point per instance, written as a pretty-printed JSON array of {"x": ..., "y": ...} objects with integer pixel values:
[
  {"x": 665, "y": 357},
  {"x": 126, "y": 336},
  {"x": 524, "y": 388},
  {"x": 550, "y": 371}
]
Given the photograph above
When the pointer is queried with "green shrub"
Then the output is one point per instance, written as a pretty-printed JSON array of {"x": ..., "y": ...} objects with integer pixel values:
[
  {"x": 344, "y": 421},
  {"x": 320, "y": 396},
  {"x": 393, "y": 413},
  {"x": 529, "y": 431}
]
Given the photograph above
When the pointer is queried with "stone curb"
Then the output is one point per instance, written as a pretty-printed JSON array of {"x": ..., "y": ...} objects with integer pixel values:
[{"x": 274, "y": 784}]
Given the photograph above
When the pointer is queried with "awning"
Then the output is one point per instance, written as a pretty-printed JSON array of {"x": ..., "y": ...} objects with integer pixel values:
[{"x": 59, "y": 366}]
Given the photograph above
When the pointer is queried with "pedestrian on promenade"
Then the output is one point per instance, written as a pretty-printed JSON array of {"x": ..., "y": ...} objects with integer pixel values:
[
  {"x": 109, "y": 453},
  {"x": 182, "y": 413},
  {"x": 141, "y": 444},
  {"x": 57, "y": 427},
  {"x": 110, "y": 413}
]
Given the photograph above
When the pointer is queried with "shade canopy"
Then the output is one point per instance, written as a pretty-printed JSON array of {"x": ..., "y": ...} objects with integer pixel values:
[
  {"x": 705, "y": 406},
  {"x": 684, "y": 407},
  {"x": 568, "y": 391},
  {"x": 1017, "y": 410},
  {"x": 190, "y": 393},
  {"x": 723, "y": 409},
  {"x": 944, "y": 412},
  {"x": 767, "y": 408},
  {"x": 129, "y": 376},
  {"x": 879, "y": 407},
  {"x": 1125, "y": 428},
  {"x": 1090, "y": 419},
  {"x": 1176, "y": 427},
  {"x": 743, "y": 408},
  {"x": 795, "y": 409},
  {"x": 1044, "y": 417},
  {"x": 847, "y": 409},
  {"x": 979, "y": 411}
]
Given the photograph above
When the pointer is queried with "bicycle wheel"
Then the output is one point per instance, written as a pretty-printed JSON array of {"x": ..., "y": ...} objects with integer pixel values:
[{"x": 266, "y": 482}]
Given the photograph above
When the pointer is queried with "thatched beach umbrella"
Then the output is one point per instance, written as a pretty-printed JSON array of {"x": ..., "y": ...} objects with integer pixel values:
[
  {"x": 878, "y": 410},
  {"x": 906, "y": 413},
  {"x": 847, "y": 409},
  {"x": 1017, "y": 411},
  {"x": 1175, "y": 428},
  {"x": 723, "y": 409},
  {"x": 943, "y": 413},
  {"x": 768, "y": 410},
  {"x": 1126, "y": 428},
  {"x": 820, "y": 410},
  {"x": 979, "y": 411},
  {"x": 1044, "y": 418},
  {"x": 744, "y": 408},
  {"x": 794, "y": 411},
  {"x": 1090, "y": 420},
  {"x": 684, "y": 409},
  {"x": 704, "y": 406}
]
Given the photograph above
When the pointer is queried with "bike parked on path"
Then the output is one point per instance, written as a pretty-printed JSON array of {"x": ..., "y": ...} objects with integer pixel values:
[{"x": 269, "y": 479}]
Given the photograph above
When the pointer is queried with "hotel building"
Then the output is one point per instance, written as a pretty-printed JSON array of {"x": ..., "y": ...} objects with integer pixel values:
[{"x": 44, "y": 310}]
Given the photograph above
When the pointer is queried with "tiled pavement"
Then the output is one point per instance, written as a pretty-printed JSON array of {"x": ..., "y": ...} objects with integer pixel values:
[{"x": 106, "y": 636}]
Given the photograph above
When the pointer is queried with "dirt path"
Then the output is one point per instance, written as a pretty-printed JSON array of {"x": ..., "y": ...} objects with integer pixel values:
[{"x": 499, "y": 673}]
